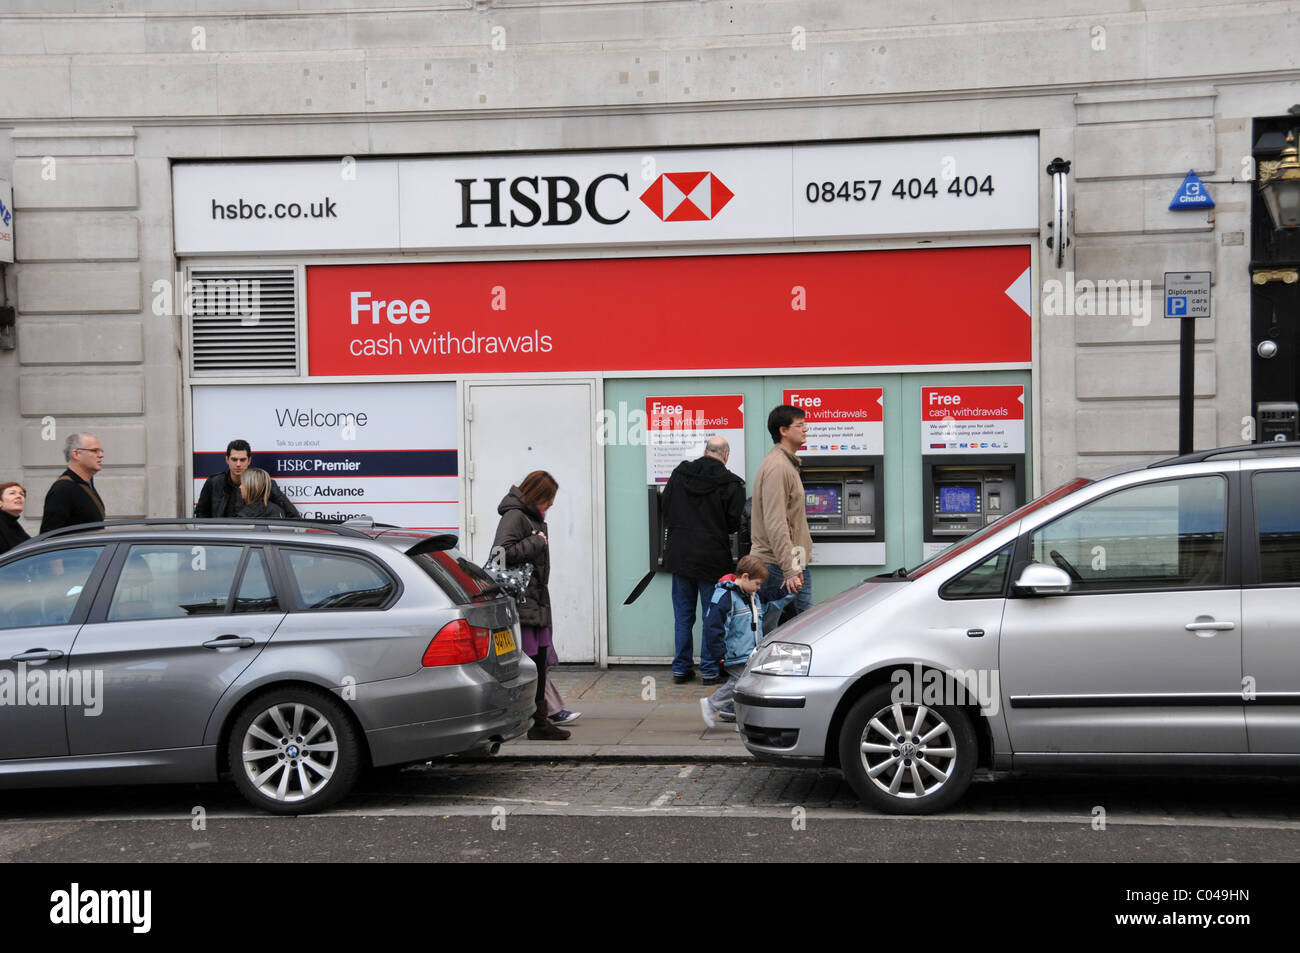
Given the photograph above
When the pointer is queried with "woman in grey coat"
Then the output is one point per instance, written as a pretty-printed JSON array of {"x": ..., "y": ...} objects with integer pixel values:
[{"x": 521, "y": 538}]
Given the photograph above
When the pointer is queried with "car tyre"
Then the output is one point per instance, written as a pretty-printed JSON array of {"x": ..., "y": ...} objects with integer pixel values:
[
  {"x": 908, "y": 757},
  {"x": 294, "y": 751}
]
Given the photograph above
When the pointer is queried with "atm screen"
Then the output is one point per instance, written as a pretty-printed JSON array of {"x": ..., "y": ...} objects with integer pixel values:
[
  {"x": 822, "y": 500},
  {"x": 959, "y": 499}
]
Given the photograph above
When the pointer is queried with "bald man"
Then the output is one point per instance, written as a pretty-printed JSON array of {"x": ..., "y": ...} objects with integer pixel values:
[{"x": 702, "y": 505}]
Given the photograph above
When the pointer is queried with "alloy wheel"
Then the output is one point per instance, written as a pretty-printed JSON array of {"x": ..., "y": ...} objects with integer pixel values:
[
  {"x": 908, "y": 751},
  {"x": 290, "y": 752}
]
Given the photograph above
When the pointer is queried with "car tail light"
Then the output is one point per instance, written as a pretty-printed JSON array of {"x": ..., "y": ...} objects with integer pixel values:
[{"x": 456, "y": 643}]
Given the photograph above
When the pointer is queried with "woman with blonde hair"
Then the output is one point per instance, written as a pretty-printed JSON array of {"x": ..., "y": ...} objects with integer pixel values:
[{"x": 256, "y": 491}]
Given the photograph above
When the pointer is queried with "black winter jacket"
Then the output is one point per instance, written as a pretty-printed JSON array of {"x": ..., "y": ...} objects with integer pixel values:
[
  {"x": 220, "y": 499},
  {"x": 701, "y": 506},
  {"x": 11, "y": 532},
  {"x": 517, "y": 536}
]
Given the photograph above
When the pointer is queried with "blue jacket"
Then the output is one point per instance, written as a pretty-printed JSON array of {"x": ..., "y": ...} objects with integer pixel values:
[{"x": 733, "y": 625}]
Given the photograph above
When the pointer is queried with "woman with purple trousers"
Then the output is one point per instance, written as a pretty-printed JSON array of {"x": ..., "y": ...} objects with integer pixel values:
[{"x": 521, "y": 538}]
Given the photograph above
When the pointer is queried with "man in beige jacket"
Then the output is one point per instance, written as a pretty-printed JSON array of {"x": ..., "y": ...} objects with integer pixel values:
[{"x": 779, "y": 522}]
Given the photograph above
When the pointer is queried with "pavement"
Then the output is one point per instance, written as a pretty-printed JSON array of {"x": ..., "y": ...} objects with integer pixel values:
[{"x": 632, "y": 713}]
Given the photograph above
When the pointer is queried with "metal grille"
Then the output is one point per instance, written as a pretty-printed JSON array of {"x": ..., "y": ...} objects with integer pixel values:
[{"x": 243, "y": 321}]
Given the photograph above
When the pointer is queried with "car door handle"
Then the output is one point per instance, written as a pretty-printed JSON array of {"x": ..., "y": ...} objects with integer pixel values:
[
  {"x": 229, "y": 642},
  {"x": 36, "y": 655},
  {"x": 1204, "y": 626}
]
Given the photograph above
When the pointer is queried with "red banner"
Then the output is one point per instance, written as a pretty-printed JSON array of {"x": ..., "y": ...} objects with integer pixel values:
[
  {"x": 834, "y": 404},
  {"x": 973, "y": 402},
  {"x": 826, "y": 309}
]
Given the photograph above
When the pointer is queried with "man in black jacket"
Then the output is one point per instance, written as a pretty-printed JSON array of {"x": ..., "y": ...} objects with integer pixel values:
[
  {"x": 701, "y": 505},
  {"x": 73, "y": 499},
  {"x": 220, "y": 497}
]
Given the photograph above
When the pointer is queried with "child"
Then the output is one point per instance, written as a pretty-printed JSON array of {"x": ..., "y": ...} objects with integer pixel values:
[{"x": 733, "y": 628}]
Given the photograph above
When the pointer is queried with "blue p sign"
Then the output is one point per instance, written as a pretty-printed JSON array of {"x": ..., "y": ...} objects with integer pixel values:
[{"x": 1176, "y": 307}]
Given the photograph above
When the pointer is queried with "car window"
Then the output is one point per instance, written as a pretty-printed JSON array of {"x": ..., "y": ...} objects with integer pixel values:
[
  {"x": 982, "y": 581},
  {"x": 44, "y": 589},
  {"x": 975, "y": 538},
  {"x": 337, "y": 581},
  {"x": 256, "y": 593},
  {"x": 169, "y": 581},
  {"x": 1166, "y": 535},
  {"x": 1277, "y": 514},
  {"x": 459, "y": 578}
]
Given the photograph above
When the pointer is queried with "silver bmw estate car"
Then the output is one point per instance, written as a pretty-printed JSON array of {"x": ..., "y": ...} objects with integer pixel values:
[
  {"x": 288, "y": 655},
  {"x": 1148, "y": 618}
]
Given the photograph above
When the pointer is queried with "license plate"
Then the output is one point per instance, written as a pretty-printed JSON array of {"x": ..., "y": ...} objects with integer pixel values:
[{"x": 504, "y": 640}]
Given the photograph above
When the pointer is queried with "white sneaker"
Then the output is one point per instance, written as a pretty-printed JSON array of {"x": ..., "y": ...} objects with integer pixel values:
[{"x": 706, "y": 712}]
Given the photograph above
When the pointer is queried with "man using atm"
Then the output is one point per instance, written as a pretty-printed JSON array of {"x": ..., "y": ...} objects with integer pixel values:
[
  {"x": 702, "y": 505},
  {"x": 780, "y": 519}
]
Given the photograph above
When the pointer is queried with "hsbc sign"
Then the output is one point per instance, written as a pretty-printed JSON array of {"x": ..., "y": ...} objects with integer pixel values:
[
  {"x": 548, "y": 200},
  {"x": 983, "y": 185}
]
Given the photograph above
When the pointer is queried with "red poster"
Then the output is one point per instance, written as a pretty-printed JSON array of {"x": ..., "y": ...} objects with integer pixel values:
[{"x": 829, "y": 309}]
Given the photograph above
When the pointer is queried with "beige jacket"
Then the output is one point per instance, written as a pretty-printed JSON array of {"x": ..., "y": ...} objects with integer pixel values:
[{"x": 778, "y": 520}]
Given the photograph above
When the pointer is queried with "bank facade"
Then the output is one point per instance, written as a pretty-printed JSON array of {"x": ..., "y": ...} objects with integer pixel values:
[{"x": 413, "y": 255}]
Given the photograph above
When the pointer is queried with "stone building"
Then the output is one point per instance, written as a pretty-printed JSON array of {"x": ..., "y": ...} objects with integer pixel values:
[{"x": 103, "y": 104}]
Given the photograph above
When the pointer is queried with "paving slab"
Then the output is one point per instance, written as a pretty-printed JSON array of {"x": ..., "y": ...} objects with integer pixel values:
[{"x": 632, "y": 713}]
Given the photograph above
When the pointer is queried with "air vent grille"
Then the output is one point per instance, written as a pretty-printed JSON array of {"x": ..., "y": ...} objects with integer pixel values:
[{"x": 244, "y": 321}]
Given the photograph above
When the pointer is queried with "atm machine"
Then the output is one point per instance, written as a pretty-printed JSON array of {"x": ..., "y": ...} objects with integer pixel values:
[
  {"x": 963, "y": 493},
  {"x": 845, "y": 504}
]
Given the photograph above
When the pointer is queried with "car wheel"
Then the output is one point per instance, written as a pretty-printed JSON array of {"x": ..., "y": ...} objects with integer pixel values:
[
  {"x": 907, "y": 758},
  {"x": 294, "y": 751}
]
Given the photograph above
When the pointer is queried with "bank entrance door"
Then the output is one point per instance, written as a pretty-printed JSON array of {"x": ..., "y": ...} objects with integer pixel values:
[{"x": 512, "y": 429}]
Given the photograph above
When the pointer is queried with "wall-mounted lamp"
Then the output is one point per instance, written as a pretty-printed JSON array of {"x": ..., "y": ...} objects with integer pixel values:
[
  {"x": 1058, "y": 169},
  {"x": 1279, "y": 184}
]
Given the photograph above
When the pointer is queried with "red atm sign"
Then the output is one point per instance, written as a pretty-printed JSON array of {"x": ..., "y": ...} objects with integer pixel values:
[{"x": 702, "y": 312}]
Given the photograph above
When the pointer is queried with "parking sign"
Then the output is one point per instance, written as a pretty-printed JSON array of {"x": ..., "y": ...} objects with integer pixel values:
[{"x": 1187, "y": 294}]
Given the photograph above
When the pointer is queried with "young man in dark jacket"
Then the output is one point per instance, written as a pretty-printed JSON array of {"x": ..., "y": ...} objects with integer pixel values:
[
  {"x": 701, "y": 505},
  {"x": 220, "y": 497}
]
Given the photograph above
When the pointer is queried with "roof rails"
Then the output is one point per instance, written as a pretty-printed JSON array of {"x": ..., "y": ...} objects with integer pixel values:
[
  {"x": 201, "y": 524},
  {"x": 1201, "y": 456}
]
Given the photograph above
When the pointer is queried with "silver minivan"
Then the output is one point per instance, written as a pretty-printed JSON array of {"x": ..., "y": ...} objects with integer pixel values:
[{"x": 1148, "y": 618}]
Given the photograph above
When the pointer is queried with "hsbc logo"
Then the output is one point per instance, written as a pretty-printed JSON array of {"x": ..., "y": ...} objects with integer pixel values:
[
  {"x": 550, "y": 200},
  {"x": 687, "y": 196}
]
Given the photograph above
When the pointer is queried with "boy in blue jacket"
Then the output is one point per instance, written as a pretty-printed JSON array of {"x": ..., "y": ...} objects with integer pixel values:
[{"x": 733, "y": 627}]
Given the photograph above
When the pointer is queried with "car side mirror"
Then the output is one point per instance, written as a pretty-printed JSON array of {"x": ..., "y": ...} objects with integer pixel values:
[{"x": 1039, "y": 580}]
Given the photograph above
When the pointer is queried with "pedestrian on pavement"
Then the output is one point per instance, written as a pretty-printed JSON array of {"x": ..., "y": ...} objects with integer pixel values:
[
  {"x": 255, "y": 490},
  {"x": 779, "y": 526},
  {"x": 13, "y": 498},
  {"x": 522, "y": 538},
  {"x": 732, "y": 628},
  {"x": 72, "y": 498},
  {"x": 555, "y": 710},
  {"x": 701, "y": 506},
  {"x": 220, "y": 497}
]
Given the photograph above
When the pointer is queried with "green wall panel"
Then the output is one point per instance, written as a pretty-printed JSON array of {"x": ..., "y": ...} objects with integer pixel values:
[{"x": 645, "y": 628}]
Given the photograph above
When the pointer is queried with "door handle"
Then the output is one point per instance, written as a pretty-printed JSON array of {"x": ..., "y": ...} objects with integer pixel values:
[
  {"x": 1205, "y": 627},
  {"x": 229, "y": 642},
  {"x": 36, "y": 655}
]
